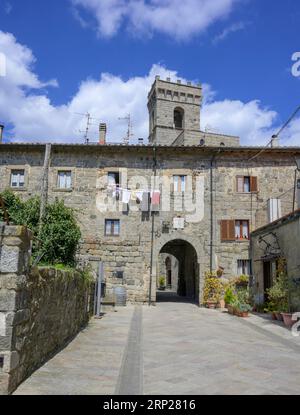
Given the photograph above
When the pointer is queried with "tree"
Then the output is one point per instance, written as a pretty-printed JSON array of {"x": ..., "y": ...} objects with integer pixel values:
[{"x": 59, "y": 235}]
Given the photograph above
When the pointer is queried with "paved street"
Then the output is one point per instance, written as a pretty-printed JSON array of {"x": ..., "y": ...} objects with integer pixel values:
[{"x": 173, "y": 348}]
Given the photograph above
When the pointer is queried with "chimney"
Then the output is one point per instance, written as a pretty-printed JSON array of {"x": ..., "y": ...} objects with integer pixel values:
[
  {"x": 275, "y": 141},
  {"x": 102, "y": 133},
  {"x": 1, "y": 132}
]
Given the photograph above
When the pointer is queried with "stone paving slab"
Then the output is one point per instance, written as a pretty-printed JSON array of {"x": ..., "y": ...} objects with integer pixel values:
[
  {"x": 173, "y": 348},
  {"x": 90, "y": 364},
  {"x": 188, "y": 350}
]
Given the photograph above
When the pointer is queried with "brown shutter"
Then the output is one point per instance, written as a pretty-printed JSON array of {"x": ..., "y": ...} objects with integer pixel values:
[
  {"x": 253, "y": 184},
  {"x": 231, "y": 230},
  {"x": 227, "y": 230},
  {"x": 240, "y": 184},
  {"x": 224, "y": 234}
]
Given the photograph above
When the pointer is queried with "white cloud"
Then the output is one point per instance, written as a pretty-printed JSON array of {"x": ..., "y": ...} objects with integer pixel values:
[
  {"x": 176, "y": 18},
  {"x": 235, "y": 27},
  {"x": 25, "y": 106}
]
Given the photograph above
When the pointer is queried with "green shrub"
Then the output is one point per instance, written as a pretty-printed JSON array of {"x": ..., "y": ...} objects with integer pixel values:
[
  {"x": 162, "y": 281},
  {"x": 59, "y": 235},
  {"x": 229, "y": 296},
  {"x": 278, "y": 293}
]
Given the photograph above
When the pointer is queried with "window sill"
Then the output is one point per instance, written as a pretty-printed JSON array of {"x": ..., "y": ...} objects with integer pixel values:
[
  {"x": 246, "y": 193},
  {"x": 235, "y": 240},
  {"x": 62, "y": 190},
  {"x": 18, "y": 189}
]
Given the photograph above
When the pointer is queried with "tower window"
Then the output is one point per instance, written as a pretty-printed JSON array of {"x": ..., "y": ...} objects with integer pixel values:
[{"x": 178, "y": 118}]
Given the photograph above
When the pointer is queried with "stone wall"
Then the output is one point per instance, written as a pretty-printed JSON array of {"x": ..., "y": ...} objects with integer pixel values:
[{"x": 40, "y": 309}]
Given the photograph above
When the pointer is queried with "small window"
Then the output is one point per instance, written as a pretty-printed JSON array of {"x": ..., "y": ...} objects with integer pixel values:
[
  {"x": 246, "y": 184},
  {"x": 241, "y": 229},
  {"x": 178, "y": 118},
  {"x": 113, "y": 179},
  {"x": 179, "y": 183},
  {"x": 64, "y": 180},
  {"x": 112, "y": 227},
  {"x": 202, "y": 142},
  {"x": 17, "y": 178},
  {"x": 243, "y": 267}
]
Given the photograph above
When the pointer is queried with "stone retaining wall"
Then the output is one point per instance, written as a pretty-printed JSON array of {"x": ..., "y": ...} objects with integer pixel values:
[{"x": 40, "y": 308}]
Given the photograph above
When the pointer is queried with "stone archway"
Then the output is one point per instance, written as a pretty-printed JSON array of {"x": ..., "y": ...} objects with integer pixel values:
[{"x": 187, "y": 253}]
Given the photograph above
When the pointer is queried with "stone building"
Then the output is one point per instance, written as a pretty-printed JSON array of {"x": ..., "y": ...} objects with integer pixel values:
[
  {"x": 188, "y": 194},
  {"x": 279, "y": 239}
]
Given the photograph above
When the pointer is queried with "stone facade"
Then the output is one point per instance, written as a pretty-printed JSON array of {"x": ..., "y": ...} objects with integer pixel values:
[
  {"x": 131, "y": 258},
  {"x": 278, "y": 239},
  {"x": 130, "y": 252},
  {"x": 40, "y": 309}
]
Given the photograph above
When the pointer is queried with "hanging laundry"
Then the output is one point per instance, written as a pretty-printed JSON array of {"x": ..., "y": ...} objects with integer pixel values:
[
  {"x": 145, "y": 202},
  {"x": 139, "y": 196},
  {"x": 155, "y": 201},
  {"x": 126, "y": 195},
  {"x": 133, "y": 195}
]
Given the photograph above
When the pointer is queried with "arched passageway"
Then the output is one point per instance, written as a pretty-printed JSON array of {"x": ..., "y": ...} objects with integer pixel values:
[{"x": 178, "y": 266}]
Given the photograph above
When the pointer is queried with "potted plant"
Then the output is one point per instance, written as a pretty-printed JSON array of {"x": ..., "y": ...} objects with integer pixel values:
[
  {"x": 229, "y": 299},
  {"x": 242, "y": 309},
  {"x": 162, "y": 283},
  {"x": 242, "y": 281},
  {"x": 212, "y": 291},
  {"x": 278, "y": 293}
]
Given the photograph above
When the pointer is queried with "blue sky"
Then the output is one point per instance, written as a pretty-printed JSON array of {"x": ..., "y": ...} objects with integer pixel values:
[{"x": 58, "y": 52}]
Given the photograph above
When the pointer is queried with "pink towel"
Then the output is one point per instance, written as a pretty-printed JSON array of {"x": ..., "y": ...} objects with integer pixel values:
[{"x": 155, "y": 200}]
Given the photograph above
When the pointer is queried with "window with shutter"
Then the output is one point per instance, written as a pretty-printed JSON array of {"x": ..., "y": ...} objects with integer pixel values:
[
  {"x": 234, "y": 230},
  {"x": 246, "y": 184}
]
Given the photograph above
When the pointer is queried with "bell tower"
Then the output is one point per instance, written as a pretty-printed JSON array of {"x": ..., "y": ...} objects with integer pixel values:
[{"x": 174, "y": 108}]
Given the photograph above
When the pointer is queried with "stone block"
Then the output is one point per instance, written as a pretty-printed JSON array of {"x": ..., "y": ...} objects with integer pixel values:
[
  {"x": 9, "y": 259},
  {"x": 4, "y": 383},
  {"x": 11, "y": 361},
  {"x": 8, "y": 300}
]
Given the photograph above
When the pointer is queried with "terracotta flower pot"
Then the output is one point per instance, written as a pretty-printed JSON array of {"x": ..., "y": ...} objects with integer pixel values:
[
  {"x": 287, "y": 318},
  {"x": 243, "y": 314},
  {"x": 211, "y": 304},
  {"x": 278, "y": 316},
  {"x": 273, "y": 315}
]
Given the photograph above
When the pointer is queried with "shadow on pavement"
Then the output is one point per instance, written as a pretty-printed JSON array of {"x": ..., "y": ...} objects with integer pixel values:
[{"x": 172, "y": 297}]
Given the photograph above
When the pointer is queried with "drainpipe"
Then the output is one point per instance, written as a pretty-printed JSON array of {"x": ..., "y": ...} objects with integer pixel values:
[
  {"x": 152, "y": 227},
  {"x": 212, "y": 161}
]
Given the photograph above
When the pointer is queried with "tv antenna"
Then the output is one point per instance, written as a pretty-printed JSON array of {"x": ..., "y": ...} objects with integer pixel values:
[
  {"x": 129, "y": 134},
  {"x": 89, "y": 123}
]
